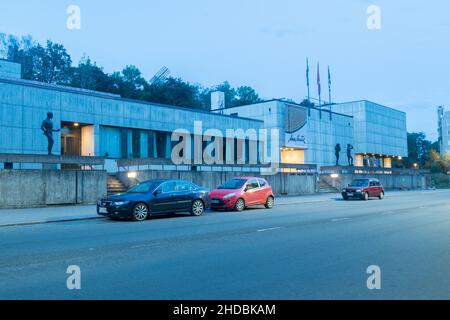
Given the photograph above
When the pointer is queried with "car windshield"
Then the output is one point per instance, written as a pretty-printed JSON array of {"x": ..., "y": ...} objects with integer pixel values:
[
  {"x": 144, "y": 187},
  {"x": 360, "y": 183},
  {"x": 233, "y": 184}
]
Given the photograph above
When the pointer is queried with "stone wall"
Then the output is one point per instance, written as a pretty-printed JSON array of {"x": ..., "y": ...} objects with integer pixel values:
[
  {"x": 34, "y": 188},
  {"x": 282, "y": 183}
]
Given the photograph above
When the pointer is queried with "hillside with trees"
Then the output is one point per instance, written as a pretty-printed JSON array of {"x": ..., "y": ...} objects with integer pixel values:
[{"x": 51, "y": 63}]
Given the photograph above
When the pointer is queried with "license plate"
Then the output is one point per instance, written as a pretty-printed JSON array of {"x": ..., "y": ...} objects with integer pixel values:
[
  {"x": 350, "y": 194},
  {"x": 103, "y": 210},
  {"x": 215, "y": 201}
]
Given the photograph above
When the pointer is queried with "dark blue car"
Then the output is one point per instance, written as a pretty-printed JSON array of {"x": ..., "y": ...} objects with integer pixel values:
[{"x": 156, "y": 197}]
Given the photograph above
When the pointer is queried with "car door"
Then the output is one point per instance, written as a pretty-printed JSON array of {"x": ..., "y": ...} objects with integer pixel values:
[
  {"x": 251, "y": 196},
  {"x": 262, "y": 191},
  {"x": 372, "y": 189},
  {"x": 163, "y": 200},
  {"x": 183, "y": 195}
]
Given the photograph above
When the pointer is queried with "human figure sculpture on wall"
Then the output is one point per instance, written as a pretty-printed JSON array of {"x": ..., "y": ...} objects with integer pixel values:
[
  {"x": 349, "y": 154},
  {"x": 337, "y": 152},
  {"x": 47, "y": 129}
]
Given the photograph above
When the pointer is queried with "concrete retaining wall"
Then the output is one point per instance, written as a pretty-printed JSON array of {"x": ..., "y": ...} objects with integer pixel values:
[
  {"x": 282, "y": 183},
  {"x": 34, "y": 188},
  {"x": 389, "y": 181}
]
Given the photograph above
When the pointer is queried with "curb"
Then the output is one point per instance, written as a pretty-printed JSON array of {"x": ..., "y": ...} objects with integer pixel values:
[{"x": 31, "y": 223}]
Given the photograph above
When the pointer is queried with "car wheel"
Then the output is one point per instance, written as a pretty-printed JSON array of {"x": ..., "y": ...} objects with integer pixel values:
[
  {"x": 345, "y": 197},
  {"x": 365, "y": 196},
  {"x": 197, "y": 208},
  {"x": 270, "y": 202},
  {"x": 381, "y": 196},
  {"x": 240, "y": 205},
  {"x": 140, "y": 212}
]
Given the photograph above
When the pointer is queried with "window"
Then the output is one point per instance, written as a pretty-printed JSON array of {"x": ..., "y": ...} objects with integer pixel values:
[
  {"x": 168, "y": 187},
  {"x": 183, "y": 186},
  {"x": 144, "y": 187},
  {"x": 253, "y": 184},
  {"x": 262, "y": 183}
]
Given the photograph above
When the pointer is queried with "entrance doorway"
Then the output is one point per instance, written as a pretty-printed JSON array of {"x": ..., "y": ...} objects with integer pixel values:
[
  {"x": 70, "y": 139},
  {"x": 77, "y": 140}
]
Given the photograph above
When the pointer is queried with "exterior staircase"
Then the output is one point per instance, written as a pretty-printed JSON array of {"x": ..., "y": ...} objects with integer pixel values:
[
  {"x": 325, "y": 187},
  {"x": 115, "y": 186}
]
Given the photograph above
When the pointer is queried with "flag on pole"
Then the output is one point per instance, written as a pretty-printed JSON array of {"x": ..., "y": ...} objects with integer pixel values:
[
  {"x": 307, "y": 71},
  {"x": 319, "y": 87},
  {"x": 329, "y": 84},
  {"x": 307, "y": 77}
]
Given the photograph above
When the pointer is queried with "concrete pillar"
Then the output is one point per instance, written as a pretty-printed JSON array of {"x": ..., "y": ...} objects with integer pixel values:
[
  {"x": 168, "y": 146},
  {"x": 129, "y": 143},
  {"x": 144, "y": 144}
]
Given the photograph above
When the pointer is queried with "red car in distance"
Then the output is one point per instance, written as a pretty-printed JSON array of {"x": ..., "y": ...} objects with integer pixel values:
[
  {"x": 240, "y": 193},
  {"x": 364, "y": 189}
]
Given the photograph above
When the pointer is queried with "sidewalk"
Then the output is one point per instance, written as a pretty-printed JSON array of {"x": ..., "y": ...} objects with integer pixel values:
[
  {"x": 52, "y": 214},
  {"x": 30, "y": 216}
]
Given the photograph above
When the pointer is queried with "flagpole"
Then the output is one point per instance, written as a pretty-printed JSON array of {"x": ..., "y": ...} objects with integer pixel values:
[
  {"x": 307, "y": 79},
  {"x": 319, "y": 88}
]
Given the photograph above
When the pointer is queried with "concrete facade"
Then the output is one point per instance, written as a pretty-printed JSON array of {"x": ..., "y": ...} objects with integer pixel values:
[
  {"x": 105, "y": 125},
  {"x": 282, "y": 183},
  {"x": 34, "y": 188},
  {"x": 108, "y": 124},
  {"x": 323, "y": 130},
  {"x": 10, "y": 70},
  {"x": 379, "y": 132}
]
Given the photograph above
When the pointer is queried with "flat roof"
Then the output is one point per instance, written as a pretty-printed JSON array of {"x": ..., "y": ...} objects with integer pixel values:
[
  {"x": 105, "y": 95},
  {"x": 293, "y": 103},
  {"x": 378, "y": 104}
]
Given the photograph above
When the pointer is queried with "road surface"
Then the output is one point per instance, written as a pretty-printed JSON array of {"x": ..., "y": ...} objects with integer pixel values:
[{"x": 303, "y": 251}]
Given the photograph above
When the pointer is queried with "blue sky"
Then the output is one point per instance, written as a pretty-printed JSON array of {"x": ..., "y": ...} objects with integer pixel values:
[{"x": 264, "y": 44}]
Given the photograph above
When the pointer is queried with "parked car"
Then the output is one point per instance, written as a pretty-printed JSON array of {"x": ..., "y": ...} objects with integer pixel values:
[
  {"x": 364, "y": 189},
  {"x": 156, "y": 197},
  {"x": 240, "y": 193}
]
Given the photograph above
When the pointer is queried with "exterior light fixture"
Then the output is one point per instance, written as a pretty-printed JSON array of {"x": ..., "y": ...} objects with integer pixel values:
[
  {"x": 334, "y": 176},
  {"x": 76, "y": 124},
  {"x": 132, "y": 175}
]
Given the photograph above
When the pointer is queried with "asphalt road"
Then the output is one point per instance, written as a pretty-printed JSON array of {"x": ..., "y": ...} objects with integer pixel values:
[{"x": 309, "y": 251}]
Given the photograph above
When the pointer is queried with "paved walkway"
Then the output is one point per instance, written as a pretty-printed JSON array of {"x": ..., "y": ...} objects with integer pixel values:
[{"x": 12, "y": 217}]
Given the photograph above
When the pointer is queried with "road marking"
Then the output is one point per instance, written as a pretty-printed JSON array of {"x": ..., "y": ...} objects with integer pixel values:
[
  {"x": 389, "y": 212},
  {"x": 269, "y": 229},
  {"x": 340, "y": 219}
]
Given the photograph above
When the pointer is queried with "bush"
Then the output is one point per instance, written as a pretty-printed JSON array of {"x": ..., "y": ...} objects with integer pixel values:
[{"x": 440, "y": 181}]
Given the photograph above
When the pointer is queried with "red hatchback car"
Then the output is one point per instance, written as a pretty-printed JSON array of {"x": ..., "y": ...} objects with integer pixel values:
[
  {"x": 364, "y": 189},
  {"x": 240, "y": 193}
]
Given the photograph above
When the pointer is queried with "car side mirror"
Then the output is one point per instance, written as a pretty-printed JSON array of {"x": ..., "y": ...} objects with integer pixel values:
[{"x": 157, "y": 193}]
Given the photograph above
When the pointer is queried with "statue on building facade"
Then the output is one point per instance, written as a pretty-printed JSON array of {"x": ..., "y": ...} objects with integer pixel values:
[
  {"x": 349, "y": 155},
  {"x": 47, "y": 129},
  {"x": 337, "y": 152}
]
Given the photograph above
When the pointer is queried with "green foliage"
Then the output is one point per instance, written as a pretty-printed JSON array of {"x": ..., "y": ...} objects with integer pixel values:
[{"x": 52, "y": 64}]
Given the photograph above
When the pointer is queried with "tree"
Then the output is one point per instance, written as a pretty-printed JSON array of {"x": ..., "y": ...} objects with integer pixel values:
[
  {"x": 52, "y": 64},
  {"x": 176, "y": 92},
  {"x": 246, "y": 95},
  {"x": 87, "y": 75}
]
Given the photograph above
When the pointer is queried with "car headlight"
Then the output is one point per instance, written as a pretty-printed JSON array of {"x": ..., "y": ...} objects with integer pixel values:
[
  {"x": 359, "y": 191},
  {"x": 120, "y": 203},
  {"x": 228, "y": 196}
]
